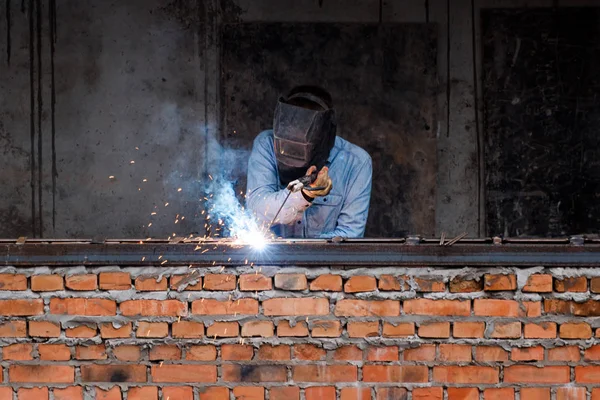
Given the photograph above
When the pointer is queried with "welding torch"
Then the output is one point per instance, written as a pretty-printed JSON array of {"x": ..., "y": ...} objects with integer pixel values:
[{"x": 296, "y": 186}]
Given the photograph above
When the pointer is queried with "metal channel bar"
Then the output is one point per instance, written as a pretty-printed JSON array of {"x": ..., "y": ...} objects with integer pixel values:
[{"x": 300, "y": 252}]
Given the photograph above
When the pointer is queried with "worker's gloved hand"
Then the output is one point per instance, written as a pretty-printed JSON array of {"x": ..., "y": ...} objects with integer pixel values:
[{"x": 323, "y": 180}]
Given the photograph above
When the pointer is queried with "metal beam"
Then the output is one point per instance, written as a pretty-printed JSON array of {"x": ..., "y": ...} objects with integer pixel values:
[{"x": 367, "y": 252}]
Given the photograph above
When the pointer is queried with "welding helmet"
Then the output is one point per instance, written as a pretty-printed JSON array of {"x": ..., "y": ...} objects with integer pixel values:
[{"x": 304, "y": 130}]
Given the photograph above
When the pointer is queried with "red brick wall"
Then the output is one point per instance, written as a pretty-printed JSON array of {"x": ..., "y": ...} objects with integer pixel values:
[{"x": 287, "y": 334}]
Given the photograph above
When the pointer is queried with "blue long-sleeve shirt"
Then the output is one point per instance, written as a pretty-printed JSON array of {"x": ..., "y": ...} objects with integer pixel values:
[{"x": 343, "y": 212}]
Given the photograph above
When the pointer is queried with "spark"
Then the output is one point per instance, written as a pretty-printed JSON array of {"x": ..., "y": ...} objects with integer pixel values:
[
  {"x": 111, "y": 177},
  {"x": 144, "y": 258},
  {"x": 131, "y": 162},
  {"x": 153, "y": 213},
  {"x": 164, "y": 262},
  {"x": 210, "y": 177},
  {"x": 144, "y": 180},
  {"x": 179, "y": 190},
  {"x": 166, "y": 204},
  {"x": 150, "y": 224}
]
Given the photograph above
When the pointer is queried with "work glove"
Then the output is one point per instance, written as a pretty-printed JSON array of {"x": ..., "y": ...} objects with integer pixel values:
[{"x": 323, "y": 180}]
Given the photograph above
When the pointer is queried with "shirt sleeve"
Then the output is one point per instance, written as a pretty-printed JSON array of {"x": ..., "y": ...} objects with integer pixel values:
[
  {"x": 263, "y": 195},
  {"x": 352, "y": 220}
]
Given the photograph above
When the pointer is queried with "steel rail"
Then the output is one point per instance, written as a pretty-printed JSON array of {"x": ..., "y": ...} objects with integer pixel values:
[{"x": 308, "y": 252}]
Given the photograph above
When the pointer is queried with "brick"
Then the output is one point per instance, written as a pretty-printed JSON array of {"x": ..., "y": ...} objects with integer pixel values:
[
  {"x": 37, "y": 393},
  {"x": 379, "y": 353},
  {"x": 357, "y": 329},
  {"x": 274, "y": 353},
  {"x": 214, "y": 393},
  {"x": 295, "y": 306},
  {"x": 327, "y": 283},
  {"x": 142, "y": 393},
  {"x": 496, "y": 308},
  {"x": 564, "y": 353},
  {"x": 44, "y": 329},
  {"x": 430, "y": 393},
  {"x": 595, "y": 394},
  {"x": 355, "y": 393},
  {"x": 499, "y": 394},
  {"x": 84, "y": 282},
  {"x": 504, "y": 330},
  {"x": 590, "y": 308},
  {"x": 223, "y": 329},
  {"x": 538, "y": 283},
  {"x": 360, "y": 283},
  {"x": 496, "y": 283},
  {"x": 150, "y": 283},
  {"x": 69, "y": 393},
  {"x": 467, "y": 374},
  {"x": 114, "y": 280},
  {"x": 153, "y": 308},
  {"x": 284, "y": 393},
  {"x": 82, "y": 306},
  {"x": 82, "y": 332},
  {"x": 255, "y": 282},
  {"x": 6, "y": 393},
  {"x": 327, "y": 373},
  {"x": 535, "y": 353},
  {"x": 463, "y": 394},
  {"x": 392, "y": 393},
  {"x": 388, "y": 282},
  {"x": 248, "y": 393},
  {"x": 227, "y": 307},
  {"x": 576, "y": 284},
  {"x": 21, "y": 308},
  {"x": 348, "y": 353},
  {"x": 127, "y": 352},
  {"x": 533, "y": 308},
  {"x": 18, "y": 352},
  {"x": 592, "y": 353},
  {"x": 395, "y": 373},
  {"x": 284, "y": 329},
  {"x": 587, "y": 374},
  {"x": 320, "y": 393},
  {"x": 490, "y": 354},
  {"x": 367, "y": 308},
  {"x": 113, "y": 373},
  {"x": 187, "y": 330},
  {"x": 41, "y": 374},
  {"x": 326, "y": 328},
  {"x": 462, "y": 285},
  {"x": 206, "y": 352},
  {"x": 308, "y": 352},
  {"x": 595, "y": 285},
  {"x": 291, "y": 282},
  {"x": 219, "y": 282},
  {"x": 46, "y": 283},
  {"x": 429, "y": 285},
  {"x": 177, "y": 393},
  {"x": 535, "y": 393},
  {"x": 424, "y": 352},
  {"x": 402, "y": 329},
  {"x": 114, "y": 393},
  {"x": 533, "y": 374},
  {"x": 92, "y": 352},
  {"x": 108, "y": 331},
  {"x": 54, "y": 352},
  {"x": 237, "y": 352},
  {"x": 575, "y": 330},
  {"x": 571, "y": 393},
  {"x": 184, "y": 373},
  {"x": 13, "y": 282},
  {"x": 253, "y": 373},
  {"x": 13, "y": 329},
  {"x": 455, "y": 353},
  {"x": 164, "y": 352},
  {"x": 468, "y": 329},
  {"x": 434, "y": 330},
  {"x": 437, "y": 307},
  {"x": 258, "y": 328},
  {"x": 152, "y": 329},
  {"x": 543, "y": 330},
  {"x": 195, "y": 285}
]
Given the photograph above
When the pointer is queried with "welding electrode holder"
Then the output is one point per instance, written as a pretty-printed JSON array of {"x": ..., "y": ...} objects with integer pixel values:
[{"x": 303, "y": 183}]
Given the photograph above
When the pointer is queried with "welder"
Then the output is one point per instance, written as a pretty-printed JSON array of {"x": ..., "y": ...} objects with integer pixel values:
[{"x": 302, "y": 144}]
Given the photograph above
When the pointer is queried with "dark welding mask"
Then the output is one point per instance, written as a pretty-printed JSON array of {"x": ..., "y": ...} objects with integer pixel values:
[{"x": 303, "y": 136}]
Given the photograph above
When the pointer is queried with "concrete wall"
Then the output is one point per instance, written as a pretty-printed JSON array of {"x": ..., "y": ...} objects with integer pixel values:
[{"x": 139, "y": 81}]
